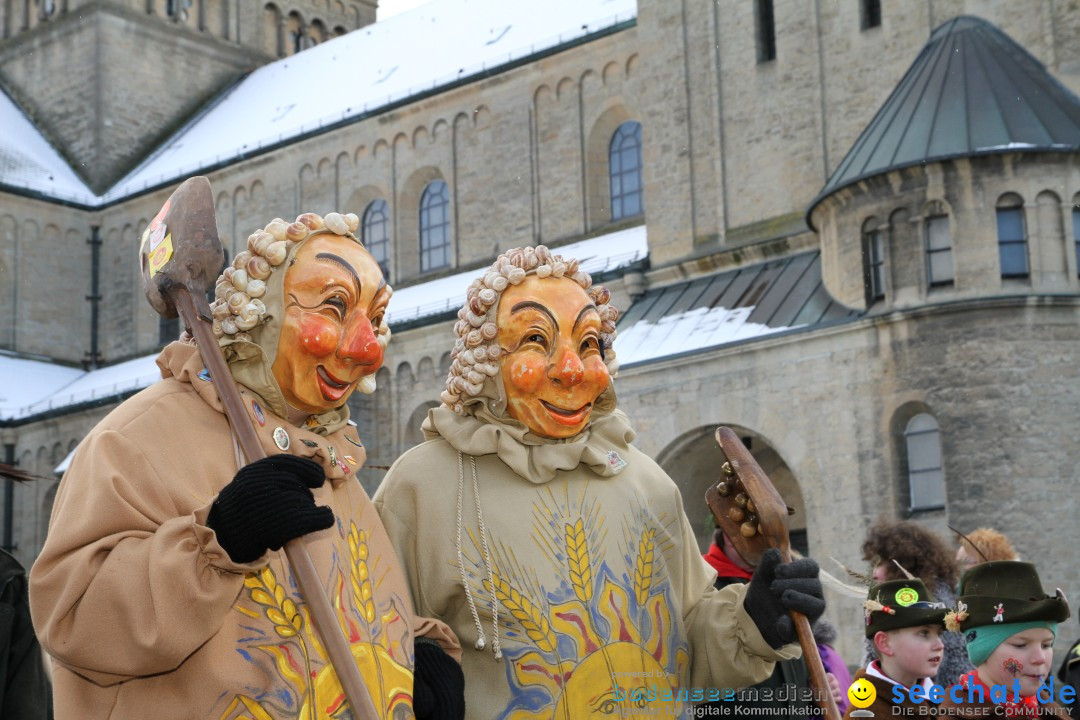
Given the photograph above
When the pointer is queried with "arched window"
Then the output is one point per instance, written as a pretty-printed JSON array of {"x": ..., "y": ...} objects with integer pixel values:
[
  {"x": 939, "y": 261},
  {"x": 295, "y": 34},
  {"x": 624, "y": 163},
  {"x": 374, "y": 235},
  {"x": 873, "y": 248},
  {"x": 434, "y": 226},
  {"x": 926, "y": 478},
  {"x": 1012, "y": 236}
]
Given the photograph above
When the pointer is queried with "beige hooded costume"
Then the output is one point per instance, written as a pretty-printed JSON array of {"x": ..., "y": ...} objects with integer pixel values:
[
  {"x": 568, "y": 564},
  {"x": 145, "y": 613}
]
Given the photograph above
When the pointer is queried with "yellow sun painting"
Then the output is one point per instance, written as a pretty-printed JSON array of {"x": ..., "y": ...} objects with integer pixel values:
[
  {"x": 378, "y": 635},
  {"x": 579, "y": 649}
]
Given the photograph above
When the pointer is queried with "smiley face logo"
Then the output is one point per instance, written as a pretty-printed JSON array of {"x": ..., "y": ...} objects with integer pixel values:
[{"x": 862, "y": 693}]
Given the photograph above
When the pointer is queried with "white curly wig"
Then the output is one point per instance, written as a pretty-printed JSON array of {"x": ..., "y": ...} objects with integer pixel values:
[
  {"x": 476, "y": 350},
  {"x": 238, "y": 308}
]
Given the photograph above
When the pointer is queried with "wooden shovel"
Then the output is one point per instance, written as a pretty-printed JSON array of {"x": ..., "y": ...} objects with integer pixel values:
[
  {"x": 754, "y": 517},
  {"x": 181, "y": 257}
]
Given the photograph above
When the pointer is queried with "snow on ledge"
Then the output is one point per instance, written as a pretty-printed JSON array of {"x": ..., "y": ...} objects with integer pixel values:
[
  {"x": 595, "y": 255},
  {"x": 33, "y": 387}
]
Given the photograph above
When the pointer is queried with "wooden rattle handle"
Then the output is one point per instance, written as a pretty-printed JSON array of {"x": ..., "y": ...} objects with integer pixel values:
[{"x": 754, "y": 516}]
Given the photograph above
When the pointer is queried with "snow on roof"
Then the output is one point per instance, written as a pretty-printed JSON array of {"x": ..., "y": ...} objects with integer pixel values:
[
  {"x": 595, "y": 255},
  {"x": 695, "y": 329},
  {"x": 24, "y": 381},
  {"x": 30, "y": 387},
  {"x": 28, "y": 161},
  {"x": 418, "y": 51},
  {"x": 730, "y": 306}
]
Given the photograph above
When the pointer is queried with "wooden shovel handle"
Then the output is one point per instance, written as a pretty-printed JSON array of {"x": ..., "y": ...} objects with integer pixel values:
[
  {"x": 772, "y": 521},
  {"x": 818, "y": 680},
  {"x": 322, "y": 614}
]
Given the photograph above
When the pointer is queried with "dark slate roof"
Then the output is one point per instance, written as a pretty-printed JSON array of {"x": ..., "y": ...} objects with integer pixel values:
[
  {"x": 972, "y": 90},
  {"x": 731, "y": 306}
]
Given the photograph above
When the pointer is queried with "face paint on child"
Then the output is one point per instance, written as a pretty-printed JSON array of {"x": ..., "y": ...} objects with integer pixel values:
[
  {"x": 335, "y": 298},
  {"x": 1024, "y": 657}
]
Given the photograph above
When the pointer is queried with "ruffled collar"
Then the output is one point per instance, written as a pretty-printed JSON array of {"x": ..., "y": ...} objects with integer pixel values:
[
  {"x": 602, "y": 445},
  {"x": 248, "y": 365}
]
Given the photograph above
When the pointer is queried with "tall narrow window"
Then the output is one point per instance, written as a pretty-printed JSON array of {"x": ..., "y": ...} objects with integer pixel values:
[
  {"x": 766, "y": 31},
  {"x": 1012, "y": 237},
  {"x": 624, "y": 168},
  {"x": 294, "y": 30},
  {"x": 926, "y": 478},
  {"x": 375, "y": 236},
  {"x": 177, "y": 9},
  {"x": 435, "y": 226},
  {"x": 1076, "y": 232},
  {"x": 871, "y": 14},
  {"x": 874, "y": 264},
  {"x": 939, "y": 263}
]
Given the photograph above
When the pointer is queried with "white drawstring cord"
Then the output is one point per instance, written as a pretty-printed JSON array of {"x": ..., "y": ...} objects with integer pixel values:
[{"x": 481, "y": 642}]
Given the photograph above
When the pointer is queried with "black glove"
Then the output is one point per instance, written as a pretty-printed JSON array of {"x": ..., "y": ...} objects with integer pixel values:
[
  {"x": 268, "y": 503},
  {"x": 775, "y": 589},
  {"x": 438, "y": 684}
]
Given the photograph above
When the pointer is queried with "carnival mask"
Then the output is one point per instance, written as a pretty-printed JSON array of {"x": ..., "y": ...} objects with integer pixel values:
[
  {"x": 334, "y": 300},
  {"x": 552, "y": 369}
]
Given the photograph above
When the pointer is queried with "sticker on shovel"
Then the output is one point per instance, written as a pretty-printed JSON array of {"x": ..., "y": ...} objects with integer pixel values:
[
  {"x": 158, "y": 242},
  {"x": 161, "y": 256}
]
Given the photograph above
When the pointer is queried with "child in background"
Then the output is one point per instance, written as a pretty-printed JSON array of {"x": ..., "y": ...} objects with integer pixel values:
[
  {"x": 1010, "y": 625},
  {"x": 905, "y": 626}
]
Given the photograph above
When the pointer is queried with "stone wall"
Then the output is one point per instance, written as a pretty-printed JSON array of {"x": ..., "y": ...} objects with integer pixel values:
[{"x": 1001, "y": 378}]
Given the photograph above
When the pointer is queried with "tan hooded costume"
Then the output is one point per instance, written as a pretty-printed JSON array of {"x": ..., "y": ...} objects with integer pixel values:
[
  {"x": 144, "y": 612},
  {"x": 568, "y": 565}
]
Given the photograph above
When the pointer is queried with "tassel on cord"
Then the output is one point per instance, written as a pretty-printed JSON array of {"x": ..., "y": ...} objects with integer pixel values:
[
  {"x": 953, "y": 618},
  {"x": 875, "y": 606}
]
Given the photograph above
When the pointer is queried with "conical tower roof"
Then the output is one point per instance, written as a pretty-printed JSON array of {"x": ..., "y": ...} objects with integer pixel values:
[{"x": 971, "y": 91}]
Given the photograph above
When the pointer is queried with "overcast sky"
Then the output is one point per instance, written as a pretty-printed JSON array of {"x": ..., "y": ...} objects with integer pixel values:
[{"x": 389, "y": 8}]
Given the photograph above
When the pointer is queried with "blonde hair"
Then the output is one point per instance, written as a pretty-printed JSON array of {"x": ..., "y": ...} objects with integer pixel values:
[
  {"x": 476, "y": 350},
  {"x": 986, "y": 544}
]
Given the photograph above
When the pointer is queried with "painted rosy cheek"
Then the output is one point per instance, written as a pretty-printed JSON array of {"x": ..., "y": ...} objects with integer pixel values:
[
  {"x": 318, "y": 336},
  {"x": 527, "y": 373},
  {"x": 596, "y": 371}
]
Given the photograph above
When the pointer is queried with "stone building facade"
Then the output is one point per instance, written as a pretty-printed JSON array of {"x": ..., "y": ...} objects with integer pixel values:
[{"x": 735, "y": 149}]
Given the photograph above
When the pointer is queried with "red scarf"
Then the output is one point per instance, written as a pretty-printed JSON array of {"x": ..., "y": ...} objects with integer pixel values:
[
  {"x": 723, "y": 566},
  {"x": 1027, "y": 707}
]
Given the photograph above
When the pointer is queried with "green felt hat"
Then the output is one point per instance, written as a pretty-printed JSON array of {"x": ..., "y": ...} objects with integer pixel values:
[
  {"x": 1005, "y": 591},
  {"x": 896, "y": 604}
]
